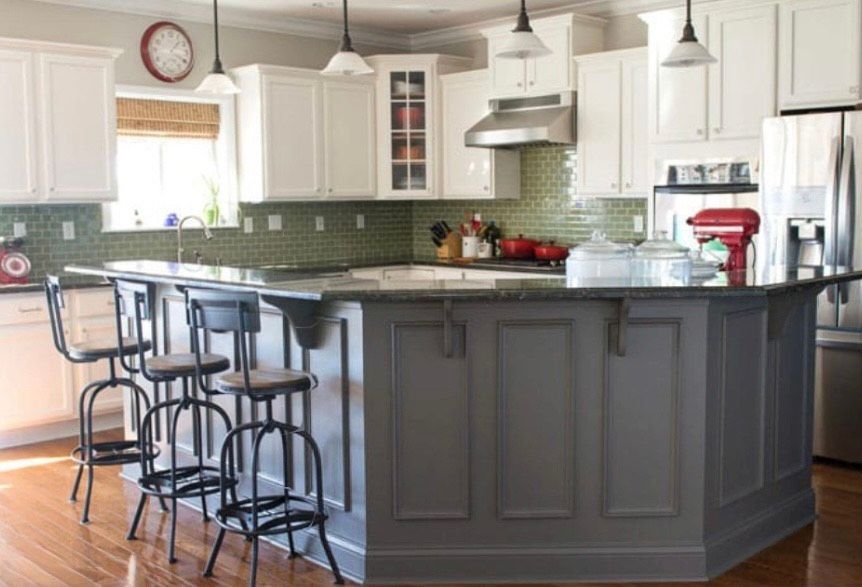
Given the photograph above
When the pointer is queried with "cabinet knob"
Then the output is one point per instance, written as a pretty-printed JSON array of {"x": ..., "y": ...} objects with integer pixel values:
[
  {"x": 33, "y": 191},
  {"x": 614, "y": 184},
  {"x": 716, "y": 130},
  {"x": 520, "y": 85},
  {"x": 51, "y": 189},
  {"x": 700, "y": 132},
  {"x": 486, "y": 188},
  {"x": 532, "y": 83},
  {"x": 628, "y": 184},
  {"x": 317, "y": 190},
  {"x": 329, "y": 190},
  {"x": 854, "y": 89}
]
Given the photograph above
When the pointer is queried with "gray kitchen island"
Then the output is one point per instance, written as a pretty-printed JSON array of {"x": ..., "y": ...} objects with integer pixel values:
[{"x": 508, "y": 430}]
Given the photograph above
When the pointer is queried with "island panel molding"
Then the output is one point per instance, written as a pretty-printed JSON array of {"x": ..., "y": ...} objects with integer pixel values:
[
  {"x": 641, "y": 420},
  {"x": 536, "y": 436},
  {"x": 430, "y": 423},
  {"x": 743, "y": 403}
]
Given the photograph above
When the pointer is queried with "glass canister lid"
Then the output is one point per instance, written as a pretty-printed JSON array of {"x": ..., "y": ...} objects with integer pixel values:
[
  {"x": 599, "y": 247},
  {"x": 661, "y": 247}
]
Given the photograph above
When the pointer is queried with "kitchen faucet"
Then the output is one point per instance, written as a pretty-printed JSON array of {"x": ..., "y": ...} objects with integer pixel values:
[{"x": 207, "y": 234}]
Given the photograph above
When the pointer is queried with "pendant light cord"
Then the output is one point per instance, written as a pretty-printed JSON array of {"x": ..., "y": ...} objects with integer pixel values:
[
  {"x": 688, "y": 35},
  {"x": 523, "y": 20},
  {"x": 217, "y": 66},
  {"x": 346, "y": 43}
]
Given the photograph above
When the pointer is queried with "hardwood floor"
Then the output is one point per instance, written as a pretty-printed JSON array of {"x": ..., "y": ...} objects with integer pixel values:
[{"x": 42, "y": 543}]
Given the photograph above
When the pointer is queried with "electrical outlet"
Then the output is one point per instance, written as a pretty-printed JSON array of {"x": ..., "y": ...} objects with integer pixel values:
[
  {"x": 638, "y": 223},
  {"x": 274, "y": 221},
  {"x": 248, "y": 225},
  {"x": 319, "y": 225},
  {"x": 68, "y": 231},
  {"x": 360, "y": 221},
  {"x": 19, "y": 229}
]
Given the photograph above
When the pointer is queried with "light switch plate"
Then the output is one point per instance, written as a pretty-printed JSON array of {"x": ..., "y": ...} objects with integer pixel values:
[
  {"x": 360, "y": 221},
  {"x": 319, "y": 225},
  {"x": 248, "y": 225},
  {"x": 19, "y": 229},
  {"x": 274, "y": 221},
  {"x": 68, "y": 230},
  {"x": 638, "y": 223}
]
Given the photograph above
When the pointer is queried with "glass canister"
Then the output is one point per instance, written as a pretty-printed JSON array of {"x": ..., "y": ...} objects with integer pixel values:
[
  {"x": 598, "y": 261},
  {"x": 661, "y": 261}
]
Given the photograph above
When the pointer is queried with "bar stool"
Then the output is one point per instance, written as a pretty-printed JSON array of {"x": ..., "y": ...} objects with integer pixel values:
[
  {"x": 258, "y": 515},
  {"x": 136, "y": 300},
  {"x": 89, "y": 453}
]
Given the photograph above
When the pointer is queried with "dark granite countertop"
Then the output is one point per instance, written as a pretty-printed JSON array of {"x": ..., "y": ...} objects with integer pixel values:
[{"x": 327, "y": 285}]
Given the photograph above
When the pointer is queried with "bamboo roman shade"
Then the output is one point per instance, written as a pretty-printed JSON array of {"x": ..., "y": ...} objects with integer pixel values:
[{"x": 164, "y": 118}]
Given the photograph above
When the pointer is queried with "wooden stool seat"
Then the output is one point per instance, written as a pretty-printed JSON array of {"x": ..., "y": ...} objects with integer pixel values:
[
  {"x": 266, "y": 382},
  {"x": 105, "y": 348},
  {"x": 177, "y": 365}
]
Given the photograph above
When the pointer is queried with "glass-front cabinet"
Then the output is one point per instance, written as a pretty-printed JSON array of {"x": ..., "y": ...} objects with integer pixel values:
[{"x": 408, "y": 105}]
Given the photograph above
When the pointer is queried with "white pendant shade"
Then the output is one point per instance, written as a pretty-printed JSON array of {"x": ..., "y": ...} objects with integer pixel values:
[
  {"x": 347, "y": 63},
  {"x": 522, "y": 45},
  {"x": 688, "y": 54},
  {"x": 217, "y": 83}
]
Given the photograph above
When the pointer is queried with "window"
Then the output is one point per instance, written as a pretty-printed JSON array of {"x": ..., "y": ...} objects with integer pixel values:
[{"x": 175, "y": 157}]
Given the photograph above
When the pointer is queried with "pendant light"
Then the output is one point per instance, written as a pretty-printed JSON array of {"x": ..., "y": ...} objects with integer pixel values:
[
  {"x": 523, "y": 43},
  {"x": 688, "y": 52},
  {"x": 347, "y": 61},
  {"x": 217, "y": 81}
]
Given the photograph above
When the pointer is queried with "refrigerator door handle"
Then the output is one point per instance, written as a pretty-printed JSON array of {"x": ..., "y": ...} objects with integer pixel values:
[
  {"x": 846, "y": 213},
  {"x": 830, "y": 240}
]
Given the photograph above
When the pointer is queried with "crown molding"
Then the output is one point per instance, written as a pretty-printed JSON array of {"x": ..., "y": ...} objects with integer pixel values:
[{"x": 272, "y": 23}]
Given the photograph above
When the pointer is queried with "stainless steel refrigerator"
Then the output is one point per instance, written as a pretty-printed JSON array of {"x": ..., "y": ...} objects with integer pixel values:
[{"x": 812, "y": 214}]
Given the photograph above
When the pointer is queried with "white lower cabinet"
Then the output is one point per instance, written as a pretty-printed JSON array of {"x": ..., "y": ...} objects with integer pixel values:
[
  {"x": 470, "y": 172},
  {"x": 40, "y": 387}
]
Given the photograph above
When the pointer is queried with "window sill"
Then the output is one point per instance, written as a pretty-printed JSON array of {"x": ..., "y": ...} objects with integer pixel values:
[{"x": 192, "y": 228}]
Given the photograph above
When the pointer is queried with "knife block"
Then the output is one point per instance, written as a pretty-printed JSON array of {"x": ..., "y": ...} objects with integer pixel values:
[{"x": 450, "y": 248}]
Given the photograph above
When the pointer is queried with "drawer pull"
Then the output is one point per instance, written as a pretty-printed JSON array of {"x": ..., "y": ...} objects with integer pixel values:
[{"x": 29, "y": 310}]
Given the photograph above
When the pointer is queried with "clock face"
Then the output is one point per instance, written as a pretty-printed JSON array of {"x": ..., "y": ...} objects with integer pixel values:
[{"x": 167, "y": 52}]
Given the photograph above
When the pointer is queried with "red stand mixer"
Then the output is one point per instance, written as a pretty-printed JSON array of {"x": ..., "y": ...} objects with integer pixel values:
[
  {"x": 734, "y": 227},
  {"x": 14, "y": 266}
]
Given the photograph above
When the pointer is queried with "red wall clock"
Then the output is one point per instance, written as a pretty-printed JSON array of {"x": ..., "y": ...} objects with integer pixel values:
[{"x": 167, "y": 52}]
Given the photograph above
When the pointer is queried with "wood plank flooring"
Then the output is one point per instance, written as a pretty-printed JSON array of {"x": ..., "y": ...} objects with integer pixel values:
[{"x": 42, "y": 543}]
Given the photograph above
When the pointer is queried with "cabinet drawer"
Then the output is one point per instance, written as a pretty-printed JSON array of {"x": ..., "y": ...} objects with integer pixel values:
[
  {"x": 94, "y": 302},
  {"x": 23, "y": 309}
]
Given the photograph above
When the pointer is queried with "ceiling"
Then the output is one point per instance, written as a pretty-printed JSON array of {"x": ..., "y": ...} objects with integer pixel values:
[{"x": 402, "y": 16}]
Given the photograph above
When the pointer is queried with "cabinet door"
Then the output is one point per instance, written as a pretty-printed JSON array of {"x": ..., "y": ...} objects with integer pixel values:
[
  {"x": 293, "y": 137},
  {"x": 508, "y": 76},
  {"x": 466, "y": 170},
  {"x": 79, "y": 128},
  {"x": 18, "y": 176},
  {"x": 599, "y": 128},
  {"x": 635, "y": 124},
  {"x": 678, "y": 95},
  {"x": 36, "y": 386},
  {"x": 820, "y": 52},
  {"x": 351, "y": 146},
  {"x": 742, "y": 83},
  {"x": 552, "y": 73}
]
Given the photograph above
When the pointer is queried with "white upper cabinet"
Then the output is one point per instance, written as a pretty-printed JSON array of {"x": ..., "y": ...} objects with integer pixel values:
[
  {"x": 599, "y": 126},
  {"x": 79, "y": 124},
  {"x": 612, "y": 123},
  {"x": 819, "y": 45},
  {"x": 350, "y": 139},
  {"x": 469, "y": 172},
  {"x": 742, "y": 85},
  {"x": 304, "y": 137},
  {"x": 409, "y": 125},
  {"x": 677, "y": 95},
  {"x": 564, "y": 35},
  {"x": 58, "y": 116},
  {"x": 18, "y": 159}
]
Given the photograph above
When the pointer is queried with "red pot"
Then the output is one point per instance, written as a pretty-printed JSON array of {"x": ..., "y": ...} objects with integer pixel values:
[
  {"x": 551, "y": 252},
  {"x": 518, "y": 248}
]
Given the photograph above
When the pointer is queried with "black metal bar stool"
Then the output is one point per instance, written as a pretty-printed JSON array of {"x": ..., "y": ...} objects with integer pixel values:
[
  {"x": 177, "y": 481},
  {"x": 89, "y": 453},
  {"x": 258, "y": 515}
]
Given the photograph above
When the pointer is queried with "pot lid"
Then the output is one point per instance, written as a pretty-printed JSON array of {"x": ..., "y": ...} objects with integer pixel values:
[
  {"x": 599, "y": 247},
  {"x": 661, "y": 247}
]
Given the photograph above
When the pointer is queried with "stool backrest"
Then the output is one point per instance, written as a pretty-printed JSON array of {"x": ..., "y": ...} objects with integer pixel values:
[
  {"x": 223, "y": 311},
  {"x": 56, "y": 304},
  {"x": 135, "y": 300}
]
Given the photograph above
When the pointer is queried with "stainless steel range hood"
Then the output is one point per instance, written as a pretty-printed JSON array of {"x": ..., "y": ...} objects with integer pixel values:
[{"x": 519, "y": 122}]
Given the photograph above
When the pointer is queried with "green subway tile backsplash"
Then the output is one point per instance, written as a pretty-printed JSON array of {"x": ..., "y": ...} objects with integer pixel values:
[{"x": 549, "y": 208}]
